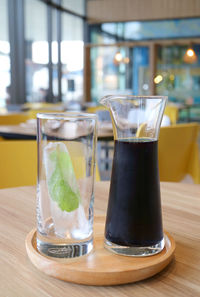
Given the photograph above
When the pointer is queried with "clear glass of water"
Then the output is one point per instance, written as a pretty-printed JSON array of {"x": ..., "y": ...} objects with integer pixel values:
[{"x": 66, "y": 172}]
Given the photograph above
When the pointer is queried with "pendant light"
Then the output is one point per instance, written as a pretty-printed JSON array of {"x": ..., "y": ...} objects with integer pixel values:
[{"x": 190, "y": 56}]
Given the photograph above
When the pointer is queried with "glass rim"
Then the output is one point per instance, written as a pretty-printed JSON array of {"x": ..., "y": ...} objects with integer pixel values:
[
  {"x": 68, "y": 115},
  {"x": 134, "y": 97}
]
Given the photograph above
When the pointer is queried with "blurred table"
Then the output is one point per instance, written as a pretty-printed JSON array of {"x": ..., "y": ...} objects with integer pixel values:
[
  {"x": 17, "y": 132},
  {"x": 181, "y": 217},
  {"x": 27, "y": 131}
]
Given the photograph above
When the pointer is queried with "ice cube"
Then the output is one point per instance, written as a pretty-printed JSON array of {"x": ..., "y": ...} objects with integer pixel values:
[{"x": 70, "y": 225}]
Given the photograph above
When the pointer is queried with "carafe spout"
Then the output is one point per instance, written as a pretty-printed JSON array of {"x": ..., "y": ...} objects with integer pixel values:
[{"x": 135, "y": 116}]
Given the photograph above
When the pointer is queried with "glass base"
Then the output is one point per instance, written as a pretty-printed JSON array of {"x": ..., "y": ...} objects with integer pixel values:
[
  {"x": 65, "y": 250},
  {"x": 134, "y": 251}
]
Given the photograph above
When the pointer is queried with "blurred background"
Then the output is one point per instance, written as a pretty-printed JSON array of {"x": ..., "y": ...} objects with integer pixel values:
[
  {"x": 80, "y": 50},
  {"x": 41, "y": 51}
]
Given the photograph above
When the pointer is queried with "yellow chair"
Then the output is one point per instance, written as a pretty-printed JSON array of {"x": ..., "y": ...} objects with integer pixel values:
[
  {"x": 13, "y": 119},
  {"x": 40, "y": 105},
  {"x": 178, "y": 152},
  {"x": 94, "y": 109},
  {"x": 77, "y": 154},
  {"x": 172, "y": 112},
  {"x": 18, "y": 163},
  {"x": 32, "y": 113}
]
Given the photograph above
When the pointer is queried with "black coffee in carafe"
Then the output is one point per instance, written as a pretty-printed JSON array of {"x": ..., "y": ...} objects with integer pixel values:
[{"x": 134, "y": 210}]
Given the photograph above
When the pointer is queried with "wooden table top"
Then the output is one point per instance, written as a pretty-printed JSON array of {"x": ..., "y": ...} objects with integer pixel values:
[{"x": 181, "y": 218}]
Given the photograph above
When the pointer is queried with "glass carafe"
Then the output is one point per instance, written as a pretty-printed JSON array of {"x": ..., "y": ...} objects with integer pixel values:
[{"x": 134, "y": 218}]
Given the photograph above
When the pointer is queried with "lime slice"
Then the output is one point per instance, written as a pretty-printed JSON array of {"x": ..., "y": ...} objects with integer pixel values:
[
  {"x": 61, "y": 182},
  {"x": 141, "y": 131}
]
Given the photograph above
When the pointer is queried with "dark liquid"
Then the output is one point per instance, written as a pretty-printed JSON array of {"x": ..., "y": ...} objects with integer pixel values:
[{"x": 134, "y": 211}]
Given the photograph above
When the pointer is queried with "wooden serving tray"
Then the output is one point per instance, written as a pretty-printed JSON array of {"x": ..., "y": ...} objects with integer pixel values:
[{"x": 101, "y": 267}]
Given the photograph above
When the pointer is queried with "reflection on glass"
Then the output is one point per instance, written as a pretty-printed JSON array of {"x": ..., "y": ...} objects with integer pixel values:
[{"x": 4, "y": 56}]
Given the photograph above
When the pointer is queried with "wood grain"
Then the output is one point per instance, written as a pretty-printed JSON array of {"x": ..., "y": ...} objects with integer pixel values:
[
  {"x": 181, "y": 217},
  {"x": 87, "y": 75},
  {"x": 100, "y": 267},
  {"x": 140, "y": 10},
  {"x": 153, "y": 49}
]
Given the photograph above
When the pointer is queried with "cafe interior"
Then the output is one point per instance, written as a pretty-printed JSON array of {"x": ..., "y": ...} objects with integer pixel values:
[{"x": 64, "y": 56}]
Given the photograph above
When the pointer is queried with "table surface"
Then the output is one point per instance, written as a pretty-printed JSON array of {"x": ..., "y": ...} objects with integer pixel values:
[{"x": 181, "y": 217}]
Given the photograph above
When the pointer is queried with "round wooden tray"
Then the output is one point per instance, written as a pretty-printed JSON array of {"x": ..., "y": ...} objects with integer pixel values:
[{"x": 101, "y": 267}]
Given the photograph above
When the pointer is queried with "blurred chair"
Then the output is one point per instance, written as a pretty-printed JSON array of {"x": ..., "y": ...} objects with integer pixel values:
[
  {"x": 94, "y": 109},
  {"x": 18, "y": 163},
  {"x": 172, "y": 112},
  {"x": 32, "y": 113},
  {"x": 178, "y": 152},
  {"x": 13, "y": 119},
  {"x": 40, "y": 105},
  {"x": 78, "y": 154}
]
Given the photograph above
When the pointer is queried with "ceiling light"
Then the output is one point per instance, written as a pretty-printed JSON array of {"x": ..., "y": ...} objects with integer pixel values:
[
  {"x": 190, "y": 56},
  {"x": 118, "y": 57},
  {"x": 158, "y": 79}
]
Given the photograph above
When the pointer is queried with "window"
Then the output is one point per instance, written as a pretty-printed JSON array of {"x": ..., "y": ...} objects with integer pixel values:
[
  {"x": 72, "y": 57},
  {"x": 157, "y": 65},
  {"x": 37, "y": 54},
  {"x": 176, "y": 78},
  {"x": 46, "y": 48},
  {"x": 144, "y": 30},
  {"x": 77, "y": 6},
  {"x": 119, "y": 70},
  {"x": 4, "y": 55}
]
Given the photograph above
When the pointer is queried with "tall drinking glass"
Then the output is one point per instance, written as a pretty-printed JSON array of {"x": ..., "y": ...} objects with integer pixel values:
[
  {"x": 66, "y": 170},
  {"x": 134, "y": 219}
]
